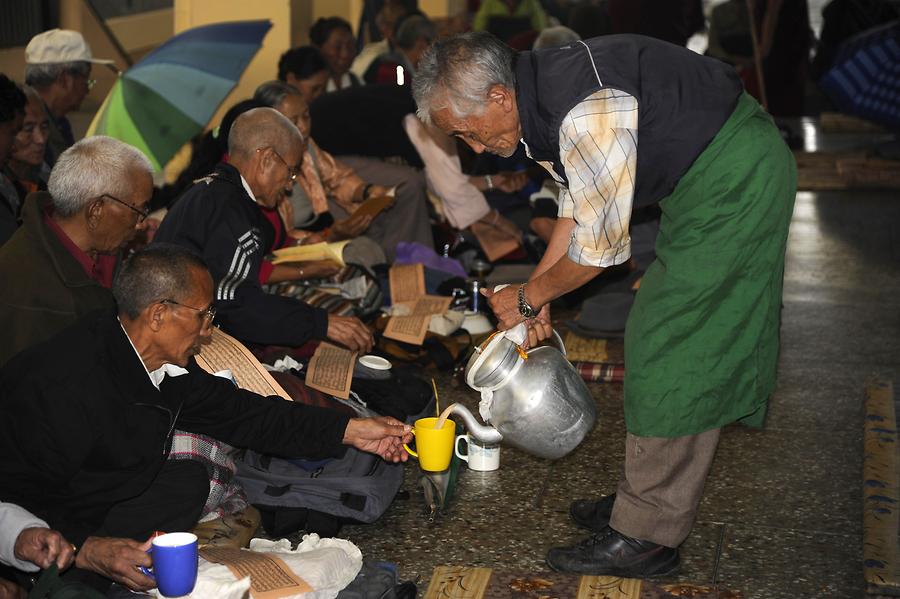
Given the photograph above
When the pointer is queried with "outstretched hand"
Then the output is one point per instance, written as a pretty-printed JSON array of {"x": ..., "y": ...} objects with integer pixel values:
[
  {"x": 350, "y": 332},
  {"x": 383, "y": 436}
]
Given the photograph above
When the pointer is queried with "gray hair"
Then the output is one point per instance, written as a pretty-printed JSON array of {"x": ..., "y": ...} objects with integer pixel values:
[
  {"x": 161, "y": 271},
  {"x": 261, "y": 128},
  {"x": 92, "y": 167},
  {"x": 412, "y": 29},
  {"x": 44, "y": 75},
  {"x": 555, "y": 37},
  {"x": 458, "y": 73},
  {"x": 272, "y": 93}
]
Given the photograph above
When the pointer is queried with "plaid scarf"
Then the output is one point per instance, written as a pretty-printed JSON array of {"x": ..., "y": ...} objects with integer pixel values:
[{"x": 225, "y": 495}]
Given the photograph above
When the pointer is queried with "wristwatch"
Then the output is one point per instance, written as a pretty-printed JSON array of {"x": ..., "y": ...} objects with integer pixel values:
[{"x": 525, "y": 308}]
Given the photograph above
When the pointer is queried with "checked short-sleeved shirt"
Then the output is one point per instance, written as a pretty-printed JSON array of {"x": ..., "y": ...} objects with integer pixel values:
[{"x": 598, "y": 149}]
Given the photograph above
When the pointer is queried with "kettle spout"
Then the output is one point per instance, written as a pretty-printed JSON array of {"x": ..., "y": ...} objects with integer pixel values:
[{"x": 485, "y": 434}]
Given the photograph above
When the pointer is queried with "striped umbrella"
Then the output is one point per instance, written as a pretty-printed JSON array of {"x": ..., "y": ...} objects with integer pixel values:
[
  {"x": 865, "y": 77},
  {"x": 169, "y": 96}
]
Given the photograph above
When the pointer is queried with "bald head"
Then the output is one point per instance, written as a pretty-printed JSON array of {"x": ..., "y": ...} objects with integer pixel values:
[{"x": 262, "y": 128}]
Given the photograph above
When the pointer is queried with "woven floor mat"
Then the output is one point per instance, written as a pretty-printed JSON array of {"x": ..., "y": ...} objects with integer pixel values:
[
  {"x": 881, "y": 492},
  {"x": 462, "y": 582}
]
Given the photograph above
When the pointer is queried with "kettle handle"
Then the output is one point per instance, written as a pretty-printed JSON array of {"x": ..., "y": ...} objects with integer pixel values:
[{"x": 559, "y": 343}]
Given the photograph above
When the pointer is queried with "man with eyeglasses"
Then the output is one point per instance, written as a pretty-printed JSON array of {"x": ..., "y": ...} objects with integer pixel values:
[
  {"x": 86, "y": 418},
  {"x": 58, "y": 65},
  {"x": 59, "y": 264},
  {"x": 220, "y": 219}
]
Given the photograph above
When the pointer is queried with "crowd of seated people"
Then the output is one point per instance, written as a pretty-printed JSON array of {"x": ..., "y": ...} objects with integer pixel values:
[{"x": 111, "y": 284}]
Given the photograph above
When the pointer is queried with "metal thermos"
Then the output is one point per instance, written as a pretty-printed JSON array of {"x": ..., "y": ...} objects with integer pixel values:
[{"x": 534, "y": 400}]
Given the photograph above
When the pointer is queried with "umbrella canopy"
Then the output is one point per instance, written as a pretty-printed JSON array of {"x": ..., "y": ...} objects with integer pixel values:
[
  {"x": 170, "y": 95},
  {"x": 865, "y": 77}
]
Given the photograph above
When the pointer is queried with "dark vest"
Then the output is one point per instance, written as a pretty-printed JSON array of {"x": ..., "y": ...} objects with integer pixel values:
[{"x": 683, "y": 100}]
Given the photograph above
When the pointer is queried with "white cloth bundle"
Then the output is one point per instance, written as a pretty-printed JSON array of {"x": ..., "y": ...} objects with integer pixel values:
[{"x": 327, "y": 565}]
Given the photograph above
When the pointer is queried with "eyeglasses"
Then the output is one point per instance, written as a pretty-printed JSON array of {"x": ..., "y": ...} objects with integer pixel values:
[
  {"x": 142, "y": 214},
  {"x": 291, "y": 170},
  {"x": 206, "y": 314}
]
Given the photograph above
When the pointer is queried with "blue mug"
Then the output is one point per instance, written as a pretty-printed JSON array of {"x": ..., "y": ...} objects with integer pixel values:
[{"x": 175, "y": 562}]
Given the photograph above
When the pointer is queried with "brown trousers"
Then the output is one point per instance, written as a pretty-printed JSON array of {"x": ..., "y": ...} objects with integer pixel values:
[{"x": 658, "y": 496}]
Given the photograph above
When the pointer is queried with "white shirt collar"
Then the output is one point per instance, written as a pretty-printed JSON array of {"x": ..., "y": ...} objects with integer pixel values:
[
  {"x": 346, "y": 82},
  {"x": 247, "y": 188},
  {"x": 157, "y": 376}
]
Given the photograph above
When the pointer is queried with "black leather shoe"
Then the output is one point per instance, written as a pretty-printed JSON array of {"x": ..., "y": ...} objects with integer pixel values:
[
  {"x": 592, "y": 515},
  {"x": 613, "y": 554}
]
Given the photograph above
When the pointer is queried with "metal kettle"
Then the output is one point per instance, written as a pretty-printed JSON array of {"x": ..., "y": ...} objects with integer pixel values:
[{"x": 533, "y": 400}]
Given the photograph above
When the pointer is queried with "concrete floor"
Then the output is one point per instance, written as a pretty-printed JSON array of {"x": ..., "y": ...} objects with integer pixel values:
[{"x": 781, "y": 515}]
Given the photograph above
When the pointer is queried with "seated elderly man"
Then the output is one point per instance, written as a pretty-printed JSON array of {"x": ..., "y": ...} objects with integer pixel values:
[
  {"x": 220, "y": 219},
  {"x": 63, "y": 256},
  {"x": 63, "y": 259},
  {"x": 58, "y": 65},
  {"x": 86, "y": 418}
]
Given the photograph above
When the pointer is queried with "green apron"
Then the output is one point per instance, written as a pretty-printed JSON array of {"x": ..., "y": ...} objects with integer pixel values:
[{"x": 701, "y": 344}]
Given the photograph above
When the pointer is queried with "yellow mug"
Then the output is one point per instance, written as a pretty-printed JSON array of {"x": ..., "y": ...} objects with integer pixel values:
[{"x": 435, "y": 445}]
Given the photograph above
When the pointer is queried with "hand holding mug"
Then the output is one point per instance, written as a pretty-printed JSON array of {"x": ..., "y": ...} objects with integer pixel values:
[
  {"x": 434, "y": 446},
  {"x": 118, "y": 560},
  {"x": 175, "y": 561},
  {"x": 382, "y": 435}
]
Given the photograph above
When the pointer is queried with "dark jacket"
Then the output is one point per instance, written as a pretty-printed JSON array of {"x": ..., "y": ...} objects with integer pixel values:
[
  {"x": 9, "y": 208},
  {"x": 683, "y": 100},
  {"x": 82, "y": 427},
  {"x": 218, "y": 220},
  {"x": 365, "y": 121},
  {"x": 44, "y": 288}
]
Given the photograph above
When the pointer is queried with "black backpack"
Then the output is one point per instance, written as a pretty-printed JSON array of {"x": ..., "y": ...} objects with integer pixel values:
[{"x": 318, "y": 496}]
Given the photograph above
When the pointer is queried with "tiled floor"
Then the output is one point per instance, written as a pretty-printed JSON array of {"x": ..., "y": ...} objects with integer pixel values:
[{"x": 781, "y": 516}]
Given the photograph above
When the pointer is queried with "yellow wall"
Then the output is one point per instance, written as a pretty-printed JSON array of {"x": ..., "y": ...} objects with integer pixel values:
[
  {"x": 264, "y": 66},
  {"x": 139, "y": 34}
]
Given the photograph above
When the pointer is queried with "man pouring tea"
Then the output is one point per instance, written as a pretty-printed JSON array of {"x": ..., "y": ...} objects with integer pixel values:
[{"x": 623, "y": 122}]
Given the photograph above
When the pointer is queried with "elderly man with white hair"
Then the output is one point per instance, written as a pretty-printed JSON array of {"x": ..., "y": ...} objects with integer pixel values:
[
  {"x": 59, "y": 265},
  {"x": 58, "y": 65},
  {"x": 624, "y": 122},
  {"x": 86, "y": 418}
]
